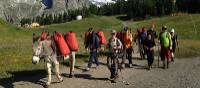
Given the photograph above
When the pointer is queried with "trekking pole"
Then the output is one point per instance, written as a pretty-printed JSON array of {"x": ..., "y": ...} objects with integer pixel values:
[{"x": 158, "y": 55}]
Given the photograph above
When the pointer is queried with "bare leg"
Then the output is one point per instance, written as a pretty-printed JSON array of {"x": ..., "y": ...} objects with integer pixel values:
[{"x": 72, "y": 64}]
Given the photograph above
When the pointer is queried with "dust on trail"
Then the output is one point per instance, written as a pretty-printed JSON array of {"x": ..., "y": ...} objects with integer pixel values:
[{"x": 183, "y": 73}]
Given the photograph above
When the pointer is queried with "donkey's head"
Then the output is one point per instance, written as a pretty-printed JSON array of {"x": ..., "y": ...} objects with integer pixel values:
[{"x": 37, "y": 49}]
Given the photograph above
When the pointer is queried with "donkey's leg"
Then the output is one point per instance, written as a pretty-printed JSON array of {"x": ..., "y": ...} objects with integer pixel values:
[
  {"x": 72, "y": 63},
  {"x": 49, "y": 73},
  {"x": 57, "y": 70}
]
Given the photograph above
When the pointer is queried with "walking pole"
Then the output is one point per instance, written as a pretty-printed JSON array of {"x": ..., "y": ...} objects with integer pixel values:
[{"x": 158, "y": 55}]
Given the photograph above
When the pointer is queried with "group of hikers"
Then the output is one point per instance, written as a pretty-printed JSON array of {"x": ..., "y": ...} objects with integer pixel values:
[
  {"x": 121, "y": 44},
  {"x": 120, "y": 47}
]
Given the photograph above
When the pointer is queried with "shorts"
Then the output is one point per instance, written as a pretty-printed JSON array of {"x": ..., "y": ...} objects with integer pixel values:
[{"x": 165, "y": 53}]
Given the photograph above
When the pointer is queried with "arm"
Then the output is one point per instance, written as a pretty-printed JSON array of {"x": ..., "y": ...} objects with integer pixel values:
[{"x": 119, "y": 44}]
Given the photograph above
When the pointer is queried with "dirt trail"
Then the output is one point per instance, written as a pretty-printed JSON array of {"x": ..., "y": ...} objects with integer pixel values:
[{"x": 183, "y": 73}]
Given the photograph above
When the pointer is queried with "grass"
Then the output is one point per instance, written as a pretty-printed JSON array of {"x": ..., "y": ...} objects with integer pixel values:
[{"x": 16, "y": 43}]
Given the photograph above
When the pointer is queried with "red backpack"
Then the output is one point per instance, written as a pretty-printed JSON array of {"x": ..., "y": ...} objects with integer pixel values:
[
  {"x": 102, "y": 38},
  {"x": 71, "y": 41},
  {"x": 62, "y": 45},
  {"x": 43, "y": 36}
]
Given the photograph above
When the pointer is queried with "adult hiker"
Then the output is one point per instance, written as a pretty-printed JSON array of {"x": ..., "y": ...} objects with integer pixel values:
[
  {"x": 128, "y": 46},
  {"x": 149, "y": 45},
  {"x": 166, "y": 45},
  {"x": 174, "y": 43},
  {"x": 73, "y": 46},
  {"x": 115, "y": 47},
  {"x": 152, "y": 32},
  {"x": 137, "y": 39},
  {"x": 142, "y": 37},
  {"x": 92, "y": 45}
]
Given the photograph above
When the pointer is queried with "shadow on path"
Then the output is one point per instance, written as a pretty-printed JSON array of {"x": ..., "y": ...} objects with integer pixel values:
[{"x": 34, "y": 76}]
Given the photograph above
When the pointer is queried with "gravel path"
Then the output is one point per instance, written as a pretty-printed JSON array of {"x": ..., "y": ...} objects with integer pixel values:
[{"x": 183, "y": 73}]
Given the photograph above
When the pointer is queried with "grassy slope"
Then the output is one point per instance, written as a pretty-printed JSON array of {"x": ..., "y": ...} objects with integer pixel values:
[{"x": 15, "y": 49}]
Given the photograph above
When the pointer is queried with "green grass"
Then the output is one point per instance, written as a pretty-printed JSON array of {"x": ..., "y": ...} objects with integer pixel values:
[{"x": 16, "y": 43}]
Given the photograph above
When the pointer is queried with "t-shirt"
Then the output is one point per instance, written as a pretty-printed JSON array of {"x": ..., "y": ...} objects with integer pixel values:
[
  {"x": 149, "y": 43},
  {"x": 174, "y": 40}
]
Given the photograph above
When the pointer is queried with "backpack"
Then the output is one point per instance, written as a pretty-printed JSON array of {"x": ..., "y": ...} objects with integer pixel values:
[
  {"x": 102, "y": 38},
  {"x": 97, "y": 40},
  {"x": 127, "y": 39},
  {"x": 43, "y": 36},
  {"x": 94, "y": 41},
  {"x": 142, "y": 36}
]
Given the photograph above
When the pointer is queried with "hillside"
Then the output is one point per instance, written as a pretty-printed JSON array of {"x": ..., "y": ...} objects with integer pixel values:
[{"x": 15, "y": 43}]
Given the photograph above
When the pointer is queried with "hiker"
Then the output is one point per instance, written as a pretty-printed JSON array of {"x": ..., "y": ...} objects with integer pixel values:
[
  {"x": 128, "y": 46},
  {"x": 73, "y": 46},
  {"x": 166, "y": 45},
  {"x": 114, "y": 46},
  {"x": 142, "y": 37},
  {"x": 93, "y": 45},
  {"x": 149, "y": 45},
  {"x": 152, "y": 32},
  {"x": 174, "y": 43},
  {"x": 137, "y": 39}
]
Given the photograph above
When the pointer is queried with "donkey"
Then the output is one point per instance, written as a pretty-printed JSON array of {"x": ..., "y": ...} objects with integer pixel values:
[{"x": 46, "y": 49}]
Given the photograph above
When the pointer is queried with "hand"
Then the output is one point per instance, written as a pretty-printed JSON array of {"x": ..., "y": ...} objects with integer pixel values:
[
  {"x": 151, "y": 49},
  {"x": 170, "y": 48}
]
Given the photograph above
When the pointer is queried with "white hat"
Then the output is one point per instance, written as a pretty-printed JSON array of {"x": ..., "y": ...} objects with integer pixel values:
[
  {"x": 114, "y": 31},
  {"x": 172, "y": 30}
]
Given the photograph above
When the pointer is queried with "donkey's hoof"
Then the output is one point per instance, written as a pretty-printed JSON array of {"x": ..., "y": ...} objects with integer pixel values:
[
  {"x": 60, "y": 80},
  {"x": 47, "y": 85}
]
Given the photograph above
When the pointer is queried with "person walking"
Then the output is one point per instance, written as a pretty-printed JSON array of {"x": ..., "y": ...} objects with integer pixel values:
[
  {"x": 149, "y": 45},
  {"x": 166, "y": 46},
  {"x": 142, "y": 37},
  {"x": 92, "y": 45},
  {"x": 174, "y": 43},
  {"x": 115, "y": 47},
  {"x": 128, "y": 46}
]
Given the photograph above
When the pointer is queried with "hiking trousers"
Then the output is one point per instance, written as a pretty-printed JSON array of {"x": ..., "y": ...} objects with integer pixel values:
[
  {"x": 112, "y": 63},
  {"x": 150, "y": 57},
  {"x": 93, "y": 56},
  {"x": 129, "y": 55}
]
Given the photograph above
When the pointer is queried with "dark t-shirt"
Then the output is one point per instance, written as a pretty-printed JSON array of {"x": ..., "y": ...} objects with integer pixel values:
[
  {"x": 174, "y": 40},
  {"x": 149, "y": 43}
]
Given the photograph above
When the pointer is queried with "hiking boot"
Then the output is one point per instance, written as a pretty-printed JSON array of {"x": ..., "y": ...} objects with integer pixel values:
[
  {"x": 164, "y": 65},
  {"x": 172, "y": 59},
  {"x": 113, "y": 81},
  {"x": 149, "y": 68},
  {"x": 167, "y": 64},
  {"x": 97, "y": 67},
  {"x": 71, "y": 75},
  {"x": 123, "y": 65},
  {"x": 130, "y": 65},
  {"x": 87, "y": 69}
]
